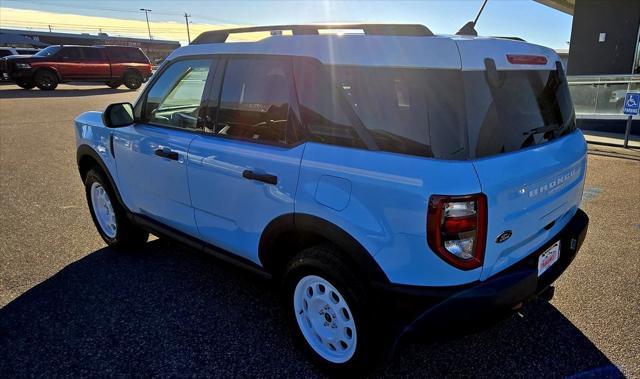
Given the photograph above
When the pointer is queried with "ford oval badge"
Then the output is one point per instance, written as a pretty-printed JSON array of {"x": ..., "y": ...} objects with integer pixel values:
[{"x": 504, "y": 236}]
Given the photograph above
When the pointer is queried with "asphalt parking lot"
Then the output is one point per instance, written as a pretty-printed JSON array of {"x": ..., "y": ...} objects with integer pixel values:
[{"x": 69, "y": 306}]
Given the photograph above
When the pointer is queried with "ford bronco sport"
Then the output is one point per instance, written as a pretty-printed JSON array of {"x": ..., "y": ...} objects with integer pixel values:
[
  {"x": 112, "y": 65},
  {"x": 388, "y": 179}
]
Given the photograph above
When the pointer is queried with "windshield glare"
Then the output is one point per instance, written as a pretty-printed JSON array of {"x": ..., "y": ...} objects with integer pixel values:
[{"x": 49, "y": 51}]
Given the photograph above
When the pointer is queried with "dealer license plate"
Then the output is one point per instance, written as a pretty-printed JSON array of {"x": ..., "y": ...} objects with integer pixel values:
[{"x": 548, "y": 258}]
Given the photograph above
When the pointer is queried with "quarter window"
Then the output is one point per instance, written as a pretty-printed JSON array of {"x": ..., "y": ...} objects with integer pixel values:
[
  {"x": 176, "y": 97},
  {"x": 254, "y": 104}
]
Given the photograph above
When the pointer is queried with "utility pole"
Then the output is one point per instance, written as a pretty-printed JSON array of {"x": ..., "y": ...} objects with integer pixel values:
[
  {"x": 186, "y": 20},
  {"x": 146, "y": 15},
  {"x": 49, "y": 28}
]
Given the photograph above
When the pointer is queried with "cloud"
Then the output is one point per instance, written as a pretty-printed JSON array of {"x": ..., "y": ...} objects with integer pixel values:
[{"x": 12, "y": 18}]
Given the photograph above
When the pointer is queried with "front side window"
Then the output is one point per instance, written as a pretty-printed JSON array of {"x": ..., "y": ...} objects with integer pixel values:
[
  {"x": 176, "y": 97},
  {"x": 48, "y": 51},
  {"x": 254, "y": 103}
]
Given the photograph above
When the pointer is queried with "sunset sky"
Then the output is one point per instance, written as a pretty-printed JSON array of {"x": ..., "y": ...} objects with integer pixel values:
[{"x": 524, "y": 18}]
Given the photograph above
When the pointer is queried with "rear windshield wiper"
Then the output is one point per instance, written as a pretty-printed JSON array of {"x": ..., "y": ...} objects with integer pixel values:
[{"x": 542, "y": 129}]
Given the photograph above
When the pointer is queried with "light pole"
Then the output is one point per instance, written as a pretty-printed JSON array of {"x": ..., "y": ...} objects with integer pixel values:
[
  {"x": 146, "y": 15},
  {"x": 186, "y": 20}
]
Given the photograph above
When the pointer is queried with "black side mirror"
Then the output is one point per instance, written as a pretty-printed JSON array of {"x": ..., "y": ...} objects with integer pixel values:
[{"x": 118, "y": 115}]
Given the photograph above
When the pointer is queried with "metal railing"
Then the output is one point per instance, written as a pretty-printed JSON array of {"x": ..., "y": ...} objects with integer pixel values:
[{"x": 602, "y": 95}]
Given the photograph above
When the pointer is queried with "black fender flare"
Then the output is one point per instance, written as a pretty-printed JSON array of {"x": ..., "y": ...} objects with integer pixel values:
[
  {"x": 131, "y": 70},
  {"x": 85, "y": 151},
  {"x": 49, "y": 68},
  {"x": 302, "y": 222}
]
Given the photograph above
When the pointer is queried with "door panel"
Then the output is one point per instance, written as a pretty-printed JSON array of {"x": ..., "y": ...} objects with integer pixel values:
[
  {"x": 71, "y": 65},
  {"x": 231, "y": 211},
  {"x": 152, "y": 155},
  {"x": 154, "y": 185},
  {"x": 96, "y": 64}
]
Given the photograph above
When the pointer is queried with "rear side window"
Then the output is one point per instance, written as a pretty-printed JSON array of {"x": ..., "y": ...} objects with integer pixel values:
[
  {"x": 517, "y": 110},
  {"x": 176, "y": 96},
  {"x": 401, "y": 110},
  {"x": 321, "y": 107},
  {"x": 254, "y": 103},
  {"x": 92, "y": 53}
]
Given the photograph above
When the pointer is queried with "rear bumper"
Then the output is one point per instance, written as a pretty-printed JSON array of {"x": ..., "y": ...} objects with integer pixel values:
[{"x": 423, "y": 306}]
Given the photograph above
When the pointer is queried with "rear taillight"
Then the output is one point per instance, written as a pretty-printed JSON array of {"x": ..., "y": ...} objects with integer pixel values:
[
  {"x": 457, "y": 229},
  {"x": 526, "y": 59}
]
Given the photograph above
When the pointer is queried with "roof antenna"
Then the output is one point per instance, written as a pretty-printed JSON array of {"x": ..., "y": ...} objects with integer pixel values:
[{"x": 469, "y": 28}]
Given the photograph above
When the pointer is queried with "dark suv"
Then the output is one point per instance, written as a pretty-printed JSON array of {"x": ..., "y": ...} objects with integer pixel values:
[{"x": 112, "y": 65}]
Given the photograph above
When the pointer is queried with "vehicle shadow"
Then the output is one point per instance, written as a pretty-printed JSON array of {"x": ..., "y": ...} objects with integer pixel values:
[
  {"x": 15, "y": 92},
  {"x": 169, "y": 311}
]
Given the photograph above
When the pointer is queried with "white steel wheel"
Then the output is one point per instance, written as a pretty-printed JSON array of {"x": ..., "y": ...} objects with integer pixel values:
[
  {"x": 324, "y": 318},
  {"x": 103, "y": 210}
]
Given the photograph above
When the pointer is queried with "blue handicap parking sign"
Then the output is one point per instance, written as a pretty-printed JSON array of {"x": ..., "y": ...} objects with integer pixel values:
[{"x": 632, "y": 103}]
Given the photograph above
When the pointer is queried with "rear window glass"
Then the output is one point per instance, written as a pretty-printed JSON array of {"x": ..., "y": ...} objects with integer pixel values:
[{"x": 518, "y": 110}]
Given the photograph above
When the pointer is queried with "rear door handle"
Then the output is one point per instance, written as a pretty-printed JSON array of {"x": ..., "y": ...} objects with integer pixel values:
[
  {"x": 266, "y": 178},
  {"x": 165, "y": 152}
]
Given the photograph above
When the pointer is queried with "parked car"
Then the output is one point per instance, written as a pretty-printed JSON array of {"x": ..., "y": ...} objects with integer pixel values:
[
  {"x": 26, "y": 50},
  {"x": 6, "y": 51},
  {"x": 112, "y": 65},
  {"x": 387, "y": 181}
]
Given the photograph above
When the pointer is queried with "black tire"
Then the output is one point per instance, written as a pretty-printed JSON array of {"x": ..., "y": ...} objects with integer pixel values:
[
  {"x": 132, "y": 80},
  {"x": 372, "y": 342},
  {"x": 114, "y": 84},
  {"x": 46, "y": 80},
  {"x": 25, "y": 84},
  {"x": 127, "y": 236}
]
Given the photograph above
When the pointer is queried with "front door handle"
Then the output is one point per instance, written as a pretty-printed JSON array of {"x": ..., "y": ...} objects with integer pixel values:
[
  {"x": 165, "y": 152},
  {"x": 266, "y": 178}
]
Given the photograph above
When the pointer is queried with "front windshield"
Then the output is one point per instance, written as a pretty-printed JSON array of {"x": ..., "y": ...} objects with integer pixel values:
[{"x": 49, "y": 51}]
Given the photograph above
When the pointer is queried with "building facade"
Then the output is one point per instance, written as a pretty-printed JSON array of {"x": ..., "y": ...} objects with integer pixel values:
[{"x": 156, "y": 50}]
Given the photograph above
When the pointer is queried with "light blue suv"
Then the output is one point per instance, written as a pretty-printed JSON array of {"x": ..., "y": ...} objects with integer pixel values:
[{"x": 387, "y": 177}]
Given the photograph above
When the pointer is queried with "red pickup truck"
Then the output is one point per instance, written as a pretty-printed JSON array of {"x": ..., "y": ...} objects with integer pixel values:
[{"x": 112, "y": 65}]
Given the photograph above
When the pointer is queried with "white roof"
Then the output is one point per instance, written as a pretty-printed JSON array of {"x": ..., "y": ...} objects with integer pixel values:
[{"x": 440, "y": 52}]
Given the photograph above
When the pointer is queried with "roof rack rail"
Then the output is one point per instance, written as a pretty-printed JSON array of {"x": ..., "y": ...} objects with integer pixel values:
[
  {"x": 511, "y": 38},
  {"x": 220, "y": 36}
]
